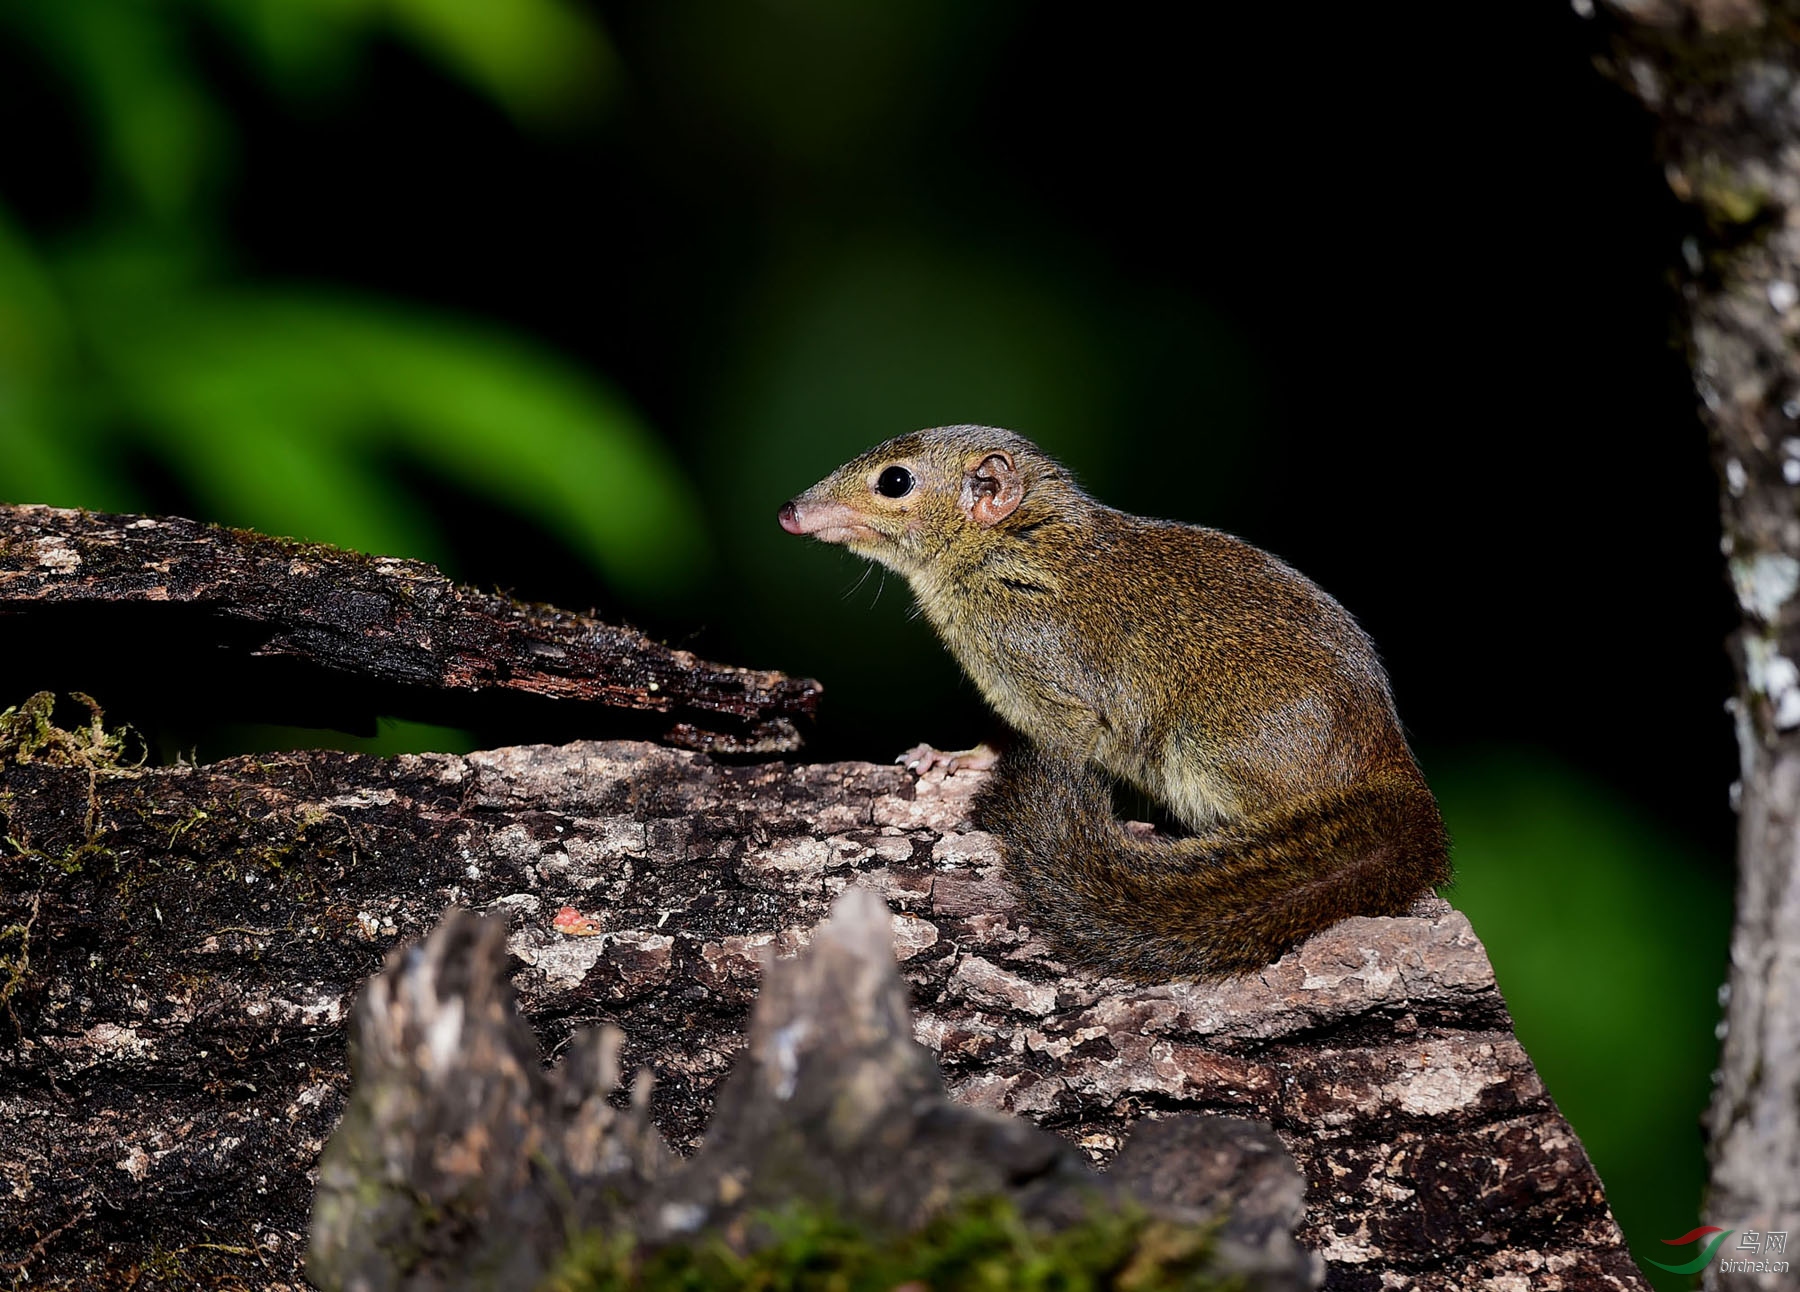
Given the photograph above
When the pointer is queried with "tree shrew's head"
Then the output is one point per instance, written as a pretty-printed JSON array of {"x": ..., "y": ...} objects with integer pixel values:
[{"x": 920, "y": 499}]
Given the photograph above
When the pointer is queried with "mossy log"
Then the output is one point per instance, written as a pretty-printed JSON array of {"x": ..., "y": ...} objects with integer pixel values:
[{"x": 183, "y": 945}]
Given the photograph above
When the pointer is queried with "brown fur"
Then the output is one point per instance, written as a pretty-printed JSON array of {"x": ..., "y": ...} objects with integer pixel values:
[
  {"x": 1208, "y": 673},
  {"x": 1225, "y": 902}
]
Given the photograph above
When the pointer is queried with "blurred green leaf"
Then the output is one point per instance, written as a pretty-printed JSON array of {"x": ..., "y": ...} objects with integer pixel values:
[
  {"x": 305, "y": 46},
  {"x": 537, "y": 57},
  {"x": 1609, "y": 940},
  {"x": 45, "y": 422},
  {"x": 150, "y": 113},
  {"x": 162, "y": 131},
  {"x": 35, "y": 335},
  {"x": 508, "y": 421},
  {"x": 35, "y": 464},
  {"x": 282, "y": 411}
]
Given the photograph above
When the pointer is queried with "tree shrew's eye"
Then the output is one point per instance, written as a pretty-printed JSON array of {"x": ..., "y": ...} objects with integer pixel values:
[{"x": 895, "y": 482}]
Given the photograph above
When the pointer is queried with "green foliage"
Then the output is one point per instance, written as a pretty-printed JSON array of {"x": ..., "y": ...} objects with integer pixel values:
[
  {"x": 983, "y": 1246},
  {"x": 541, "y": 60},
  {"x": 281, "y": 409},
  {"x": 162, "y": 135},
  {"x": 1609, "y": 941}
]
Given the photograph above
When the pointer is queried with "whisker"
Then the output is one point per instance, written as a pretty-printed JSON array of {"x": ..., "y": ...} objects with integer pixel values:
[{"x": 856, "y": 587}]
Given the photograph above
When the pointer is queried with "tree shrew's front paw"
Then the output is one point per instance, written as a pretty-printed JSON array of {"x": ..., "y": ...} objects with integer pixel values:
[{"x": 923, "y": 758}]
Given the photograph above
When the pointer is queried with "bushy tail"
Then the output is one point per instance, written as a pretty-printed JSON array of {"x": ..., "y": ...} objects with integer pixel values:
[{"x": 1217, "y": 904}]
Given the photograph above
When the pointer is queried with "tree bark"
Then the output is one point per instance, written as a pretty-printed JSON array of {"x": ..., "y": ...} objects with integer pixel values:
[{"x": 1722, "y": 79}]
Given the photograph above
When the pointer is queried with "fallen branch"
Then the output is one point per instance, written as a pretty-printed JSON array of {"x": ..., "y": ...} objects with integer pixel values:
[{"x": 373, "y": 626}]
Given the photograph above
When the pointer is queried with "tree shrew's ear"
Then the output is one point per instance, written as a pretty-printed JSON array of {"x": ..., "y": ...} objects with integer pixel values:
[{"x": 992, "y": 490}]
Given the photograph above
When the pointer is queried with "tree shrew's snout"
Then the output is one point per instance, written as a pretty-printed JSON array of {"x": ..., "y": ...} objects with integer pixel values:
[{"x": 825, "y": 519}]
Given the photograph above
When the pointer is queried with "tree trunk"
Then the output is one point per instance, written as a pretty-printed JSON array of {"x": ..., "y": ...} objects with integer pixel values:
[{"x": 1722, "y": 78}]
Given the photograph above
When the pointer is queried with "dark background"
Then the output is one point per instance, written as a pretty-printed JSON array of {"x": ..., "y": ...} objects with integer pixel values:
[{"x": 1388, "y": 293}]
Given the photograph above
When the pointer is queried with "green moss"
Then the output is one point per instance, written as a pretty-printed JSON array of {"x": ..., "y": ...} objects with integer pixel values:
[
  {"x": 28, "y": 733},
  {"x": 983, "y": 1246},
  {"x": 1728, "y": 201},
  {"x": 15, "y": 961},
  {"x": 1704, "y": 81},
  {"x": 295, "y": 549},
  {"x": 197, "y": 1265}
]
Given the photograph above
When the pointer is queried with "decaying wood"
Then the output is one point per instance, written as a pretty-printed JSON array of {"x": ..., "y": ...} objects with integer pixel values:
[
  {"x": 1722, "y": 80},
  {"x": 460, "y": 1163},
  {"x": 199, "y": 590},
  {"x": 179, "y": 949}
]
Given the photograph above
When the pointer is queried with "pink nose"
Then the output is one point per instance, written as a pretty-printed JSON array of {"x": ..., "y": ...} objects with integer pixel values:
[{"x": 789, "y": 518}]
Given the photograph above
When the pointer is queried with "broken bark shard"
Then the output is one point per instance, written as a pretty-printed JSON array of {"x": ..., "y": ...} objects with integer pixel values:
[{"x": 453, "y": 1166}]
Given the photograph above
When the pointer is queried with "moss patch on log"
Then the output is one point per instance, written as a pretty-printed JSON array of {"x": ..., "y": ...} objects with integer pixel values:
[{"x": 981, "y": 1246}]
